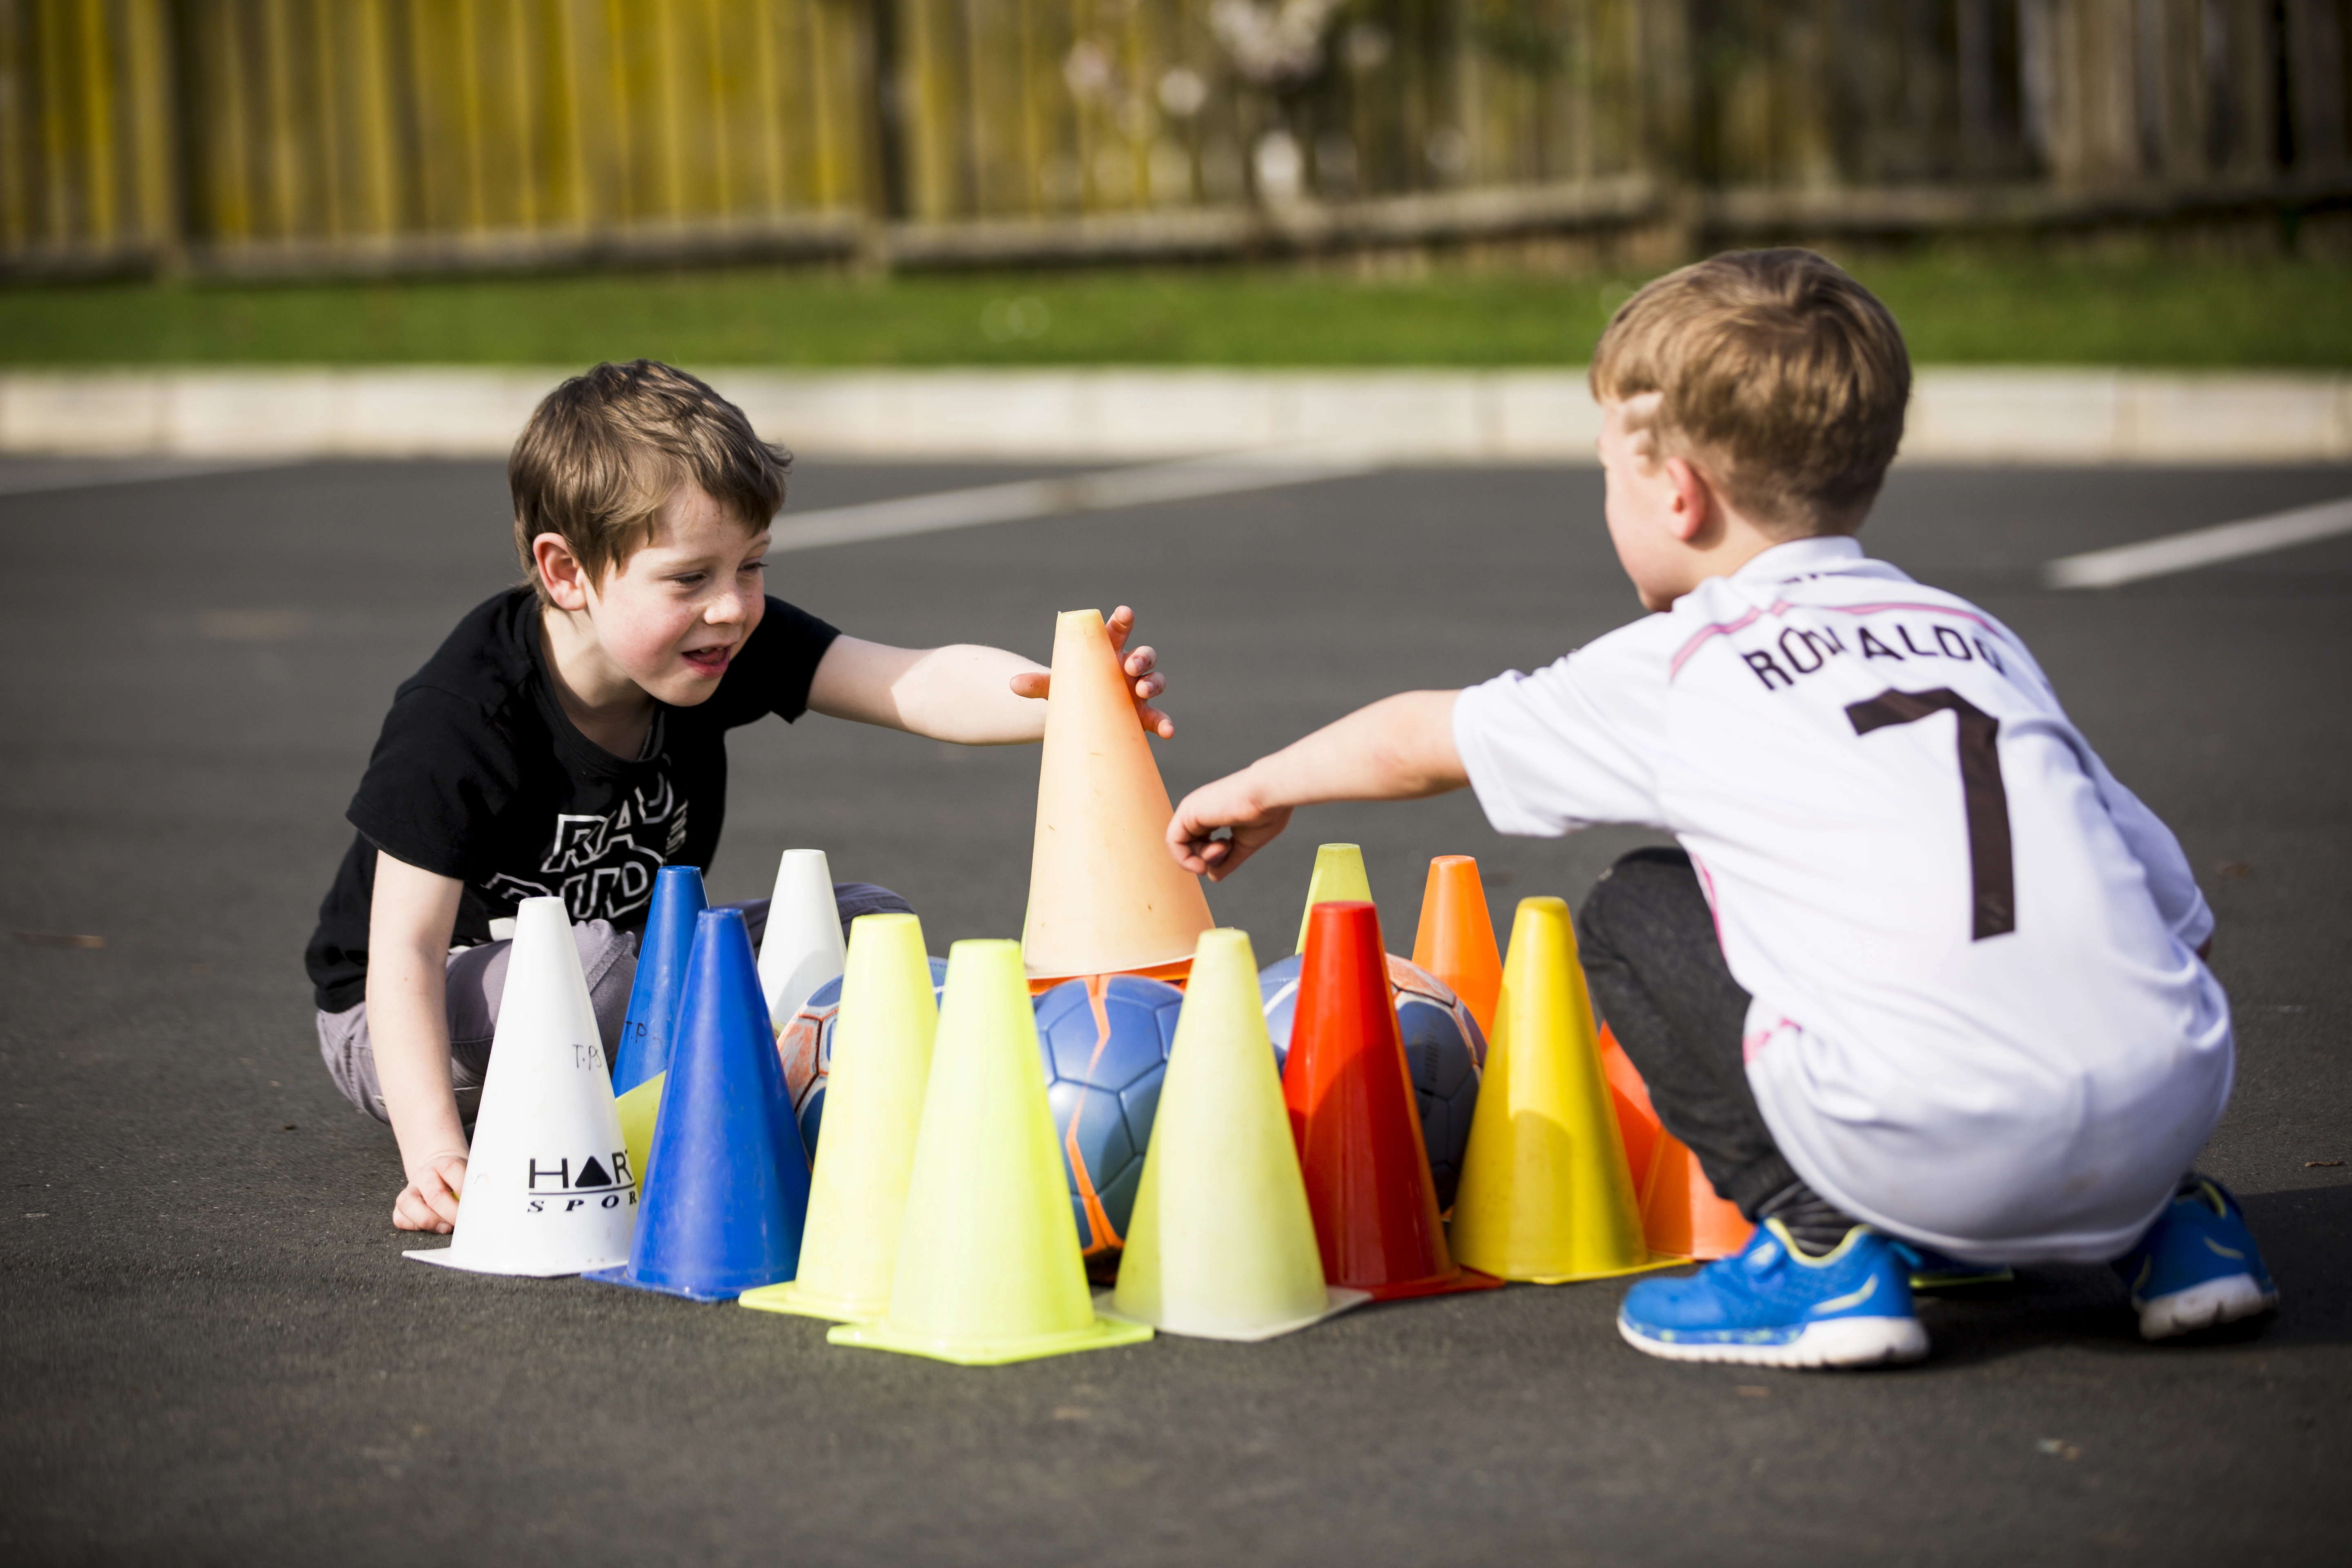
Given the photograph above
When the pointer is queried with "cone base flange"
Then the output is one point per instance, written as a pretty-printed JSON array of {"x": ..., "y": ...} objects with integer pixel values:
[
  {"x": 1102, "y": 1334},
  {"x": 1336, "y": 1302},
  {"x": 1657, "y": 1261},
  {"x": 439, "y": 1256},
  {"x": 1437, "y": 1285},
  {"x": 1175, "y": 972},
  {"x": 800, "y": 1300},
  {"x": 622, "y": 1277}
]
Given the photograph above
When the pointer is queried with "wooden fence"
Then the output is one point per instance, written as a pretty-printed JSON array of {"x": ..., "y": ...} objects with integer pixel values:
[{"x": 318, "y": 135}]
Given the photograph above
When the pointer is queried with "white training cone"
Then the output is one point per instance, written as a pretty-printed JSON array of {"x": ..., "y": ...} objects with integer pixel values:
[
  {"x": 802, "y": 947},
  {"x": 549, "y": 1189}
]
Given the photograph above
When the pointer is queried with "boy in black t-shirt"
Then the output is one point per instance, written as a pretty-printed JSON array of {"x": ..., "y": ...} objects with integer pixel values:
[{"x": 570, "y": 738}]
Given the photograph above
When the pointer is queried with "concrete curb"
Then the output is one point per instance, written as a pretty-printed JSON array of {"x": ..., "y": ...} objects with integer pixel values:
[{"x": 1990, "y": 415}]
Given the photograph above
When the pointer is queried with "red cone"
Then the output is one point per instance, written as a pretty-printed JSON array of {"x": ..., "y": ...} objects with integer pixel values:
[{"x": 1351, "y": 1107}]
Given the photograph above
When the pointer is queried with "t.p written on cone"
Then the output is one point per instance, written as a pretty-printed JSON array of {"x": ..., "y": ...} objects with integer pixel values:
[
  {"x": 1105, "y": 897},
  {"x": 550, "y": 1188}
]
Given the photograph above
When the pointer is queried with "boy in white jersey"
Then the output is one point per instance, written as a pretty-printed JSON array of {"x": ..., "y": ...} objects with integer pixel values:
[{"x": 1923, "y": 975}]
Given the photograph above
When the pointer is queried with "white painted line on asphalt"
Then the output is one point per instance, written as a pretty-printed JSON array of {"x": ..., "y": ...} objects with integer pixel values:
[
  {"x": 1186, "y": 481},
  {"x": 2201, "y": 547}
]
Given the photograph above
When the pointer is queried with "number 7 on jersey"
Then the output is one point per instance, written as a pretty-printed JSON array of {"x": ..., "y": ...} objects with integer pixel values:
[{"x": 1991, "y": 866}]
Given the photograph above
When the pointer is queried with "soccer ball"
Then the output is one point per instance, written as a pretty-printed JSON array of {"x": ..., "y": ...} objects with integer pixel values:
[
  {"x": 806, "y": 1044},
  {"x": 1105, "y": 1042},
  {"x": 1443, "y": 1045}
]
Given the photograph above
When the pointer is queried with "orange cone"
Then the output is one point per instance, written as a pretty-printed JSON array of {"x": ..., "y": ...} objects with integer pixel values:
[
  {"x": 1457, "y": 940},
  {"x": 1105, "y": 896},
  {"x": 1681, "y": 1215}
]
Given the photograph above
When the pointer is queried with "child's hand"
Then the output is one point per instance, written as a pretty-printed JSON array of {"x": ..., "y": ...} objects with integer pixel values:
[
  {"x": 429, "y": 1201},
  {"x": 1140, "y": 667},
  {"x": 1228, "y": 803}
]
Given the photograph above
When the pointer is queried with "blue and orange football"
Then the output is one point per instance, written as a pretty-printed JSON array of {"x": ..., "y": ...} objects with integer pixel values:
[{"x": 1105, "y": 1040}]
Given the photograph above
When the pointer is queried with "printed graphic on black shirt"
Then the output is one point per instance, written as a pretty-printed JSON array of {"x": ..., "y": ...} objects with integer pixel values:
[{"x": 603, "y": 867}]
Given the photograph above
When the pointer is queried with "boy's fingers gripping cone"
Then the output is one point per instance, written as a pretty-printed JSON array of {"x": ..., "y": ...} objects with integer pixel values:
[
  {"x": 547, "y": 1186},
  {"x": 1546, "y": 1194},
  {"x": 1221, "y": 1244},
  {"x": 1105, "y": 897},
  {"x": 873, "y": 1109},
  {"x": 987, "y": 1269}
]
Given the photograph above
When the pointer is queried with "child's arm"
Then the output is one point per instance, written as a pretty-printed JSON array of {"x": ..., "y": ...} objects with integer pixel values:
[
  {"x": 1400, "y": 748},
  {"x": 409, "y": 924},
  {"x": 970, "y": 695}
]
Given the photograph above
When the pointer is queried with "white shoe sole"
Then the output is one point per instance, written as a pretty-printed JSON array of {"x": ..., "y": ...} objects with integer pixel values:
[
  {"x": 1840, "y": 1342},
  {"x": 2206, "y": 1306}
]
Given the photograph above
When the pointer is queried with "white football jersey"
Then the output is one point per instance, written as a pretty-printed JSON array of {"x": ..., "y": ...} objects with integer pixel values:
[{"x": 1979, "y": 1020}]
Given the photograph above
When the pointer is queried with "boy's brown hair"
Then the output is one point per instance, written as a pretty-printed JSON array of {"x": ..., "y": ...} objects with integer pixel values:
[
  {"x": 604, "y": 450},
  {"x": 1777, "y": 373}
]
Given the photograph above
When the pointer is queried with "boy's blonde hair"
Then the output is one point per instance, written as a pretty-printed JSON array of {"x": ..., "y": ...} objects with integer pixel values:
[
  {"x": 604, "y": 450},
  {"x": 1777, "y": 373}
]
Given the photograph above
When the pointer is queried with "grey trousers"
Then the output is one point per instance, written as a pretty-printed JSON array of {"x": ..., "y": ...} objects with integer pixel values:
[{"x": 477, "y": 979}]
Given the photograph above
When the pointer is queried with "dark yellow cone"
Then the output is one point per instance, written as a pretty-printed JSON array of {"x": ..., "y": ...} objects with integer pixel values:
[
  {"x": 1221, "y": 1245},
  {"x": 1545, "y": 1194},
  {"x": 1338, "y": 879},
  {"x": 873, "y": 1110},
  {"x": 987, "y": 1269}
]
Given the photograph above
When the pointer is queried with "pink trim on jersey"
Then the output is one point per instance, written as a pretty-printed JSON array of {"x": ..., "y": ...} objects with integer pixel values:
[
  {"x": 1706, "y": 880},
  {"x": 1780, "y": 607},
  {"x": 1752, "y": 1045}
]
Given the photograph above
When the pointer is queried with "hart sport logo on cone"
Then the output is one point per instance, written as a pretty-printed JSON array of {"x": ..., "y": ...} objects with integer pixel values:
[
  {"x": 1456, "y": 939},
  {"x": 652, "y": 1020},
  {"x": 987, "y": 1269},
  {"x": 1681, "y": 1215},
  {"x": 549, "y": 1188},
  {"x": 873, "y": 1111},
  {"x": 1357, "y": 1128},
  {"x": 802, "y": 948},
  {"x": 1221, "y": 1244},
  {"x": 1105, "y": 897},
  {"x": 724, "y": 1213},
  {"x": 1545, "y": 1194},
  {"x": 1338, "y": 879}
]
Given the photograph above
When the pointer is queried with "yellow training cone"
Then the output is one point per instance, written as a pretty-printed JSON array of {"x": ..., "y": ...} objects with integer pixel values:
[
  {"x": 987, "y": 1269},
  {"x": 1221, "y": 1245},
  {"x": 1338, "y": 879},
  {"x": 1545, "y": 1194},
  {"x": 640, "y": 1110},
  {"x": 1105, "y": 896},
  {"x": 873, "y": 1109}
]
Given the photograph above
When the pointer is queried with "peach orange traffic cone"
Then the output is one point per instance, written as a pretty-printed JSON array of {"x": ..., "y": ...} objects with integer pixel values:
[
  {"x": 1456, "y": 939},
  {"x": 1546, "y": 1194},
  {"x": 1105, "y": 896}
]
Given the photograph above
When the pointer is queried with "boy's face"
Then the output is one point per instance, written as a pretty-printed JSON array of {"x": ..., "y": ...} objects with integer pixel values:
[
  {"x": 673, "y": 615},
  {"x": 1651, "y": 520}
]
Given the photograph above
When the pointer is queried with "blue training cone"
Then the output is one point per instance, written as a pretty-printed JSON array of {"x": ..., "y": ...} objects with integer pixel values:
[
  {"x": 652, "y": 1021},
  {"x": 726, "y": 1215}
]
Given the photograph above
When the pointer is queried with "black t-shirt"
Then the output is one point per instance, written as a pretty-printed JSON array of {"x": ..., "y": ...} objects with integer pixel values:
[{"x": 479, "y": 776}]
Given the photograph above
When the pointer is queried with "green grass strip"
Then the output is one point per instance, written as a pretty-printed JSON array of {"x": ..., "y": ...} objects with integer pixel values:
[{"x": 2003, "y": 309}]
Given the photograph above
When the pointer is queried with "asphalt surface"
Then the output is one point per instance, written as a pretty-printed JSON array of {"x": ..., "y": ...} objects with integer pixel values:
[{"x": 210, "y": 1348}]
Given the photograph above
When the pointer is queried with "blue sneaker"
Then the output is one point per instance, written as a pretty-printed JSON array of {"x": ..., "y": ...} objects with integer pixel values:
[
  {"x": 2196, "y": 1267},
  {"x": 1933, "y": 1270},
  {"x": 1774, "y": 1306}
]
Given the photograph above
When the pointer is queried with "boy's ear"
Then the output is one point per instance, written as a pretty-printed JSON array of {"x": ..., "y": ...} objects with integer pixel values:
[
  {"x": 1693, "y": 504},
  {"x": 560, "y": 572}
]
